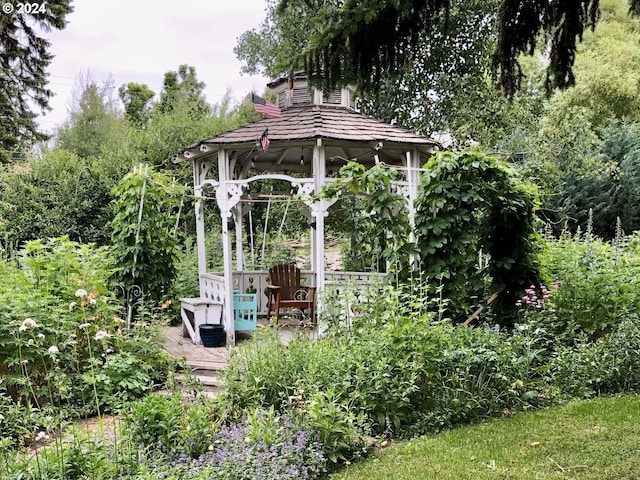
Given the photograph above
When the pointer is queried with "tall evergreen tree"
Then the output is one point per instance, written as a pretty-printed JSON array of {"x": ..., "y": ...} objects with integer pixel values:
[{"x": 24, "y": 58}]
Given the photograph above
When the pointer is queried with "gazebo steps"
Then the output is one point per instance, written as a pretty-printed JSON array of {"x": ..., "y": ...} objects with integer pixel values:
[
  {"x": 211, "y": 383},
  {"x": 205, "y": 380},
  {"x": 204, "y": 365}
]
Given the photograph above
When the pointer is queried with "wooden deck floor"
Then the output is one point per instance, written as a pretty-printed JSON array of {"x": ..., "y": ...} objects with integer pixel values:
[
  {"x": 208, "y": 358},
  {"x": 196, "y": 356}
]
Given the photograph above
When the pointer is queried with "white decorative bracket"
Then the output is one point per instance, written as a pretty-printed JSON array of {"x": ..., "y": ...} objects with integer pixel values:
[{"x": 229, "y": 194}]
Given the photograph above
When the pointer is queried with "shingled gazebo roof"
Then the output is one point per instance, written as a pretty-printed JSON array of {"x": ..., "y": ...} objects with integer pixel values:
[{"x": 305, "y": 122}]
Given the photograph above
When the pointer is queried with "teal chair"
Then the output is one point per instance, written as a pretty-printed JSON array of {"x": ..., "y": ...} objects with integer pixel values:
[{"x": 245, "y": 311}]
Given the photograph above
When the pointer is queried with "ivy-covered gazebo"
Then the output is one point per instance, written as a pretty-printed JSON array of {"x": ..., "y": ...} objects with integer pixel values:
[{"x": 312, "y": 137}]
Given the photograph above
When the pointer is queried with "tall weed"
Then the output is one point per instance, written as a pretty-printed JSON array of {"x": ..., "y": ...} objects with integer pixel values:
[{"x": 596, "y": 285}]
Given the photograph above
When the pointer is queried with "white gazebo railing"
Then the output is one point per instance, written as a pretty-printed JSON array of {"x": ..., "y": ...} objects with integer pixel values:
[
  {"x": 212, "y": 287},
  {"x": 213, "y": 283}
]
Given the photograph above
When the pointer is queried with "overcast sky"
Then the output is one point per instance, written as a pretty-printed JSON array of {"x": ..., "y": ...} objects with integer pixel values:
[{"x": 140, "y": 40}]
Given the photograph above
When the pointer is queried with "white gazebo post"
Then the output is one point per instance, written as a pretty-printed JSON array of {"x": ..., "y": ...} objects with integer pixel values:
[
  {"x": 237, "y": 218},
  {"x": 222, "y": 195},
  {"x": 413, "y": 179},
  {"x": 200, "y": 227},
  {"x": 319, "y": 211}
]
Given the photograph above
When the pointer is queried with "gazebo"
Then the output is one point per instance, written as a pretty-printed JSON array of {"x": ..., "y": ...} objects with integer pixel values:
[{"x": 312, "y": 136}]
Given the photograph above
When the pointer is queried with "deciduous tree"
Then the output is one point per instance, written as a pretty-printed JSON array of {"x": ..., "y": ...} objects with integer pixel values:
[
  {"x": 136, "y": 98},
  {"x": 183, "y": 87}
]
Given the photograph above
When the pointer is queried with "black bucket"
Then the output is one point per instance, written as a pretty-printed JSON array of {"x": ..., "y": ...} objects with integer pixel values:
[{"x": 212, "y": 335}]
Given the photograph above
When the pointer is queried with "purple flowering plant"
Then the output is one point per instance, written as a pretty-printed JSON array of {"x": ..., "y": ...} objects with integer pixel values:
[{"x": 266, "y": 446}]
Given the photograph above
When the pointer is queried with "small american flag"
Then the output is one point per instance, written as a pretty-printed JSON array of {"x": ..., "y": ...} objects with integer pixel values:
[
  {"x": 264, "y": 107},
  {"x": 264, "y": 140}
]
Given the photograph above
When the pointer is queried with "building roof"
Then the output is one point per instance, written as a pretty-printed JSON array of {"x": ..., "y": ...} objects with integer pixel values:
[{"x": 305, "y": 122}]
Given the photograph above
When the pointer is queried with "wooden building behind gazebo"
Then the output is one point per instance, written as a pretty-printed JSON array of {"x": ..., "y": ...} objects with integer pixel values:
[{"x": 314, "y": 135}]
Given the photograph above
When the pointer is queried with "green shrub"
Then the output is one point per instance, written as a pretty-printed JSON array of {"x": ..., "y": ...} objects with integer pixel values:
[
  {"x": 63, "y": 341},
  {"x": 402, "y": 376},
  {"x": 610, "y": 365},
  {"x": 596, "y": 285},
  {"x": 74, "y": 459},
  {"x": 169, "y": 425},
  {"x": 57, "y": 194},
  {"x": 263, "y": 372}
]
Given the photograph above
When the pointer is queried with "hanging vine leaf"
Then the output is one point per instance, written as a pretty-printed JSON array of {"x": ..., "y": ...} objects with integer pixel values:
[{"x": 364, "y": 41}]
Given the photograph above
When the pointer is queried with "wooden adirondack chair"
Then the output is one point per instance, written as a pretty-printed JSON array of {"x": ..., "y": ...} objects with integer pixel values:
[{"x": 285, "y": 291}]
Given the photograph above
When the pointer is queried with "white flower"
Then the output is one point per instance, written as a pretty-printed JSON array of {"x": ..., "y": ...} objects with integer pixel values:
[
  {"x": 30, "y": 342},
  {"x": 41, "y": 336},
  {"x": 82, "y": 326},
  {"x": 101, "y": 334},
  {"x": 53, "y": 350},
  {"x": 72, "y": 305},
  {"x": 92, "y": 301},
  {"x": 81, "y": 293},
  {"x": 27, "y": 324}
]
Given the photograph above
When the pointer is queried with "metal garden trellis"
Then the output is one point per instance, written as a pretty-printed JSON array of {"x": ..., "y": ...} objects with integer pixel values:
[{"x": 131, "y": 292}]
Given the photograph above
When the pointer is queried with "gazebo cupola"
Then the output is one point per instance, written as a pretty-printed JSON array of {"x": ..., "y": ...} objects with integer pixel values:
[
  {"x": 314, "y": 136},
  {"x": 295, "y": 91}
]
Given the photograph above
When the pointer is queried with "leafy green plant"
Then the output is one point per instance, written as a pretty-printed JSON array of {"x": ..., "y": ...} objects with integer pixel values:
[
  {"x": 75, "y": 459},
  {"x": 170, "y": 425},
  {"x": 339, "y": 433},
  {"x": 155, "y": 422},
  {"x": 610, "y": 365},
  {"x": 594, "y": 285},
  {"x": 143, "y": 231},
  {"x": 469, "y": 203}
]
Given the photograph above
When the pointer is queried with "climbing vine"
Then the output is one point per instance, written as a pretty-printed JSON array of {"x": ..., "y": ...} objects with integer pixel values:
[
  {"x": 475, "y": 229},
  {"x": 379, "y": 227},
  {"x": 144, "y": 243}
]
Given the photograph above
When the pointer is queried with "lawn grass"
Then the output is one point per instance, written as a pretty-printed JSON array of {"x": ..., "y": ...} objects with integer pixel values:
[{"x": 596, "y": 439}]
